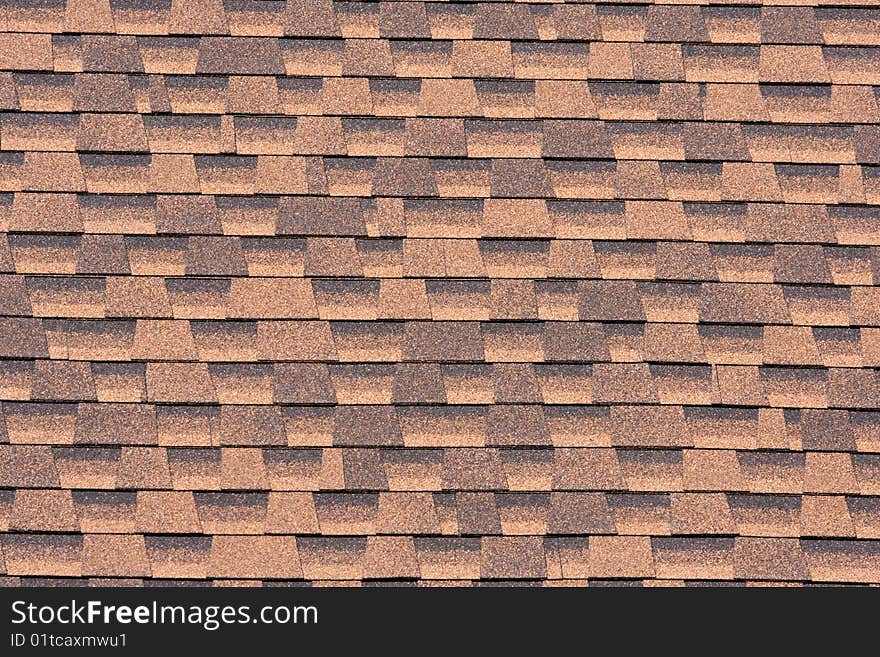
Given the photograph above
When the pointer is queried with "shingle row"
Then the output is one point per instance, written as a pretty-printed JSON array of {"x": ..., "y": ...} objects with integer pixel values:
[
  {"x": 648, "y": 424},
  {"x": 459, "y": 469},
  {"x": 388, "y": 138},
  {"x": 426, "y": 513},
  {"x": 445, "y": 262},
  {"x": 547, "y": 60},
  {"x": 257, "y": 344},
  {"x": 470, "y": 218},
  {"x": 442, "y": 558},
  {"x": 626, "y": 100},
  {"x": 429, "y": 383},
  {"x": 464, "y": 182},
  {"x": 596, "y": 582},
  {"x": 599, "y": 21},
  {"x": 462, "y": 301}
]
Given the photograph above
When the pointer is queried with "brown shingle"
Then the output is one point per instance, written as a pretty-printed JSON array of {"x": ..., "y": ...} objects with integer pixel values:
[
  {"x": 193, "y": 468},
  {"x": 313, "y": 57},
  {"x": 231, "y": 55},
  {"x": 363, "y": 383},
  {"x": 517, "y": 425},
  {"x": 201, "y": 17},
  {"x": 337, "y": 558},
  {"x": 522, "y": 513},
  {"x": 86, "y": 467},
  {"x": 179, "y": 556},
  {"x": 358, "y": 20},
  {"x": 472, "y": 469},
  {"x": 43, "y": 510},
  {"x": 143, "y": 467},
  {"x": 302, "y": 382},
  {"x": 577, "y": 468},
  {"x": 167, "y": 511},
  {"x": 115, "y": 424},
  {"x": 391, "y": 557},
  {"x": 295, "y": 469},
  {"x": 394, "y": 97},
  {"x": 769, "y": 558},
  {"x": 406, "y": 513},
  {"x": 186, "y": 214},
  {"x": 831, "y": 560},
  {"x": 291, "y": 512},
  {"x": 420, "y": 469},
  {"x": 232, "y": 513},
  {"x": 863, "y": 513},
  {"x": 512, "y": 557},
  {"x": 179, "y": 382},
  {"x": 621, "y": 556},
  {"x": 449, "y": 557},
  {"x": 44, "y": 212},
  {"x": 700, "y": 513},
  {"x": 43, "y": 554},
  {"x": 368, "y": 425},
  {"x": 694, "y": 558},
  {"x": 52, "y": 423},
  {"x": 106, "y": 511},
  {"x": 251, "y": 425},
  {"x": 197, "y": 94},
  {"x": 257, "y": 556},
  {"x": 766, "y": 515},
  {"x": 26, "y": 51},
  {"x": 609, "y": 300},
  {"x": 97, "y": 92},
  {"x": 579, "y": 513},
  {"x": 436, "y": 427},
  {"x": 111, "y": 132},
  {"x": 639, "y": 513}
]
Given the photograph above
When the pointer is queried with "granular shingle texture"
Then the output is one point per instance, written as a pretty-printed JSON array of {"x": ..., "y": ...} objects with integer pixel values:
[{"x": 439, "y": 292}]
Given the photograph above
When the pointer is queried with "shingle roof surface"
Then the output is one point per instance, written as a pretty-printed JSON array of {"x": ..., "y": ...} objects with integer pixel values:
[{"x": 439, "y": 292}]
